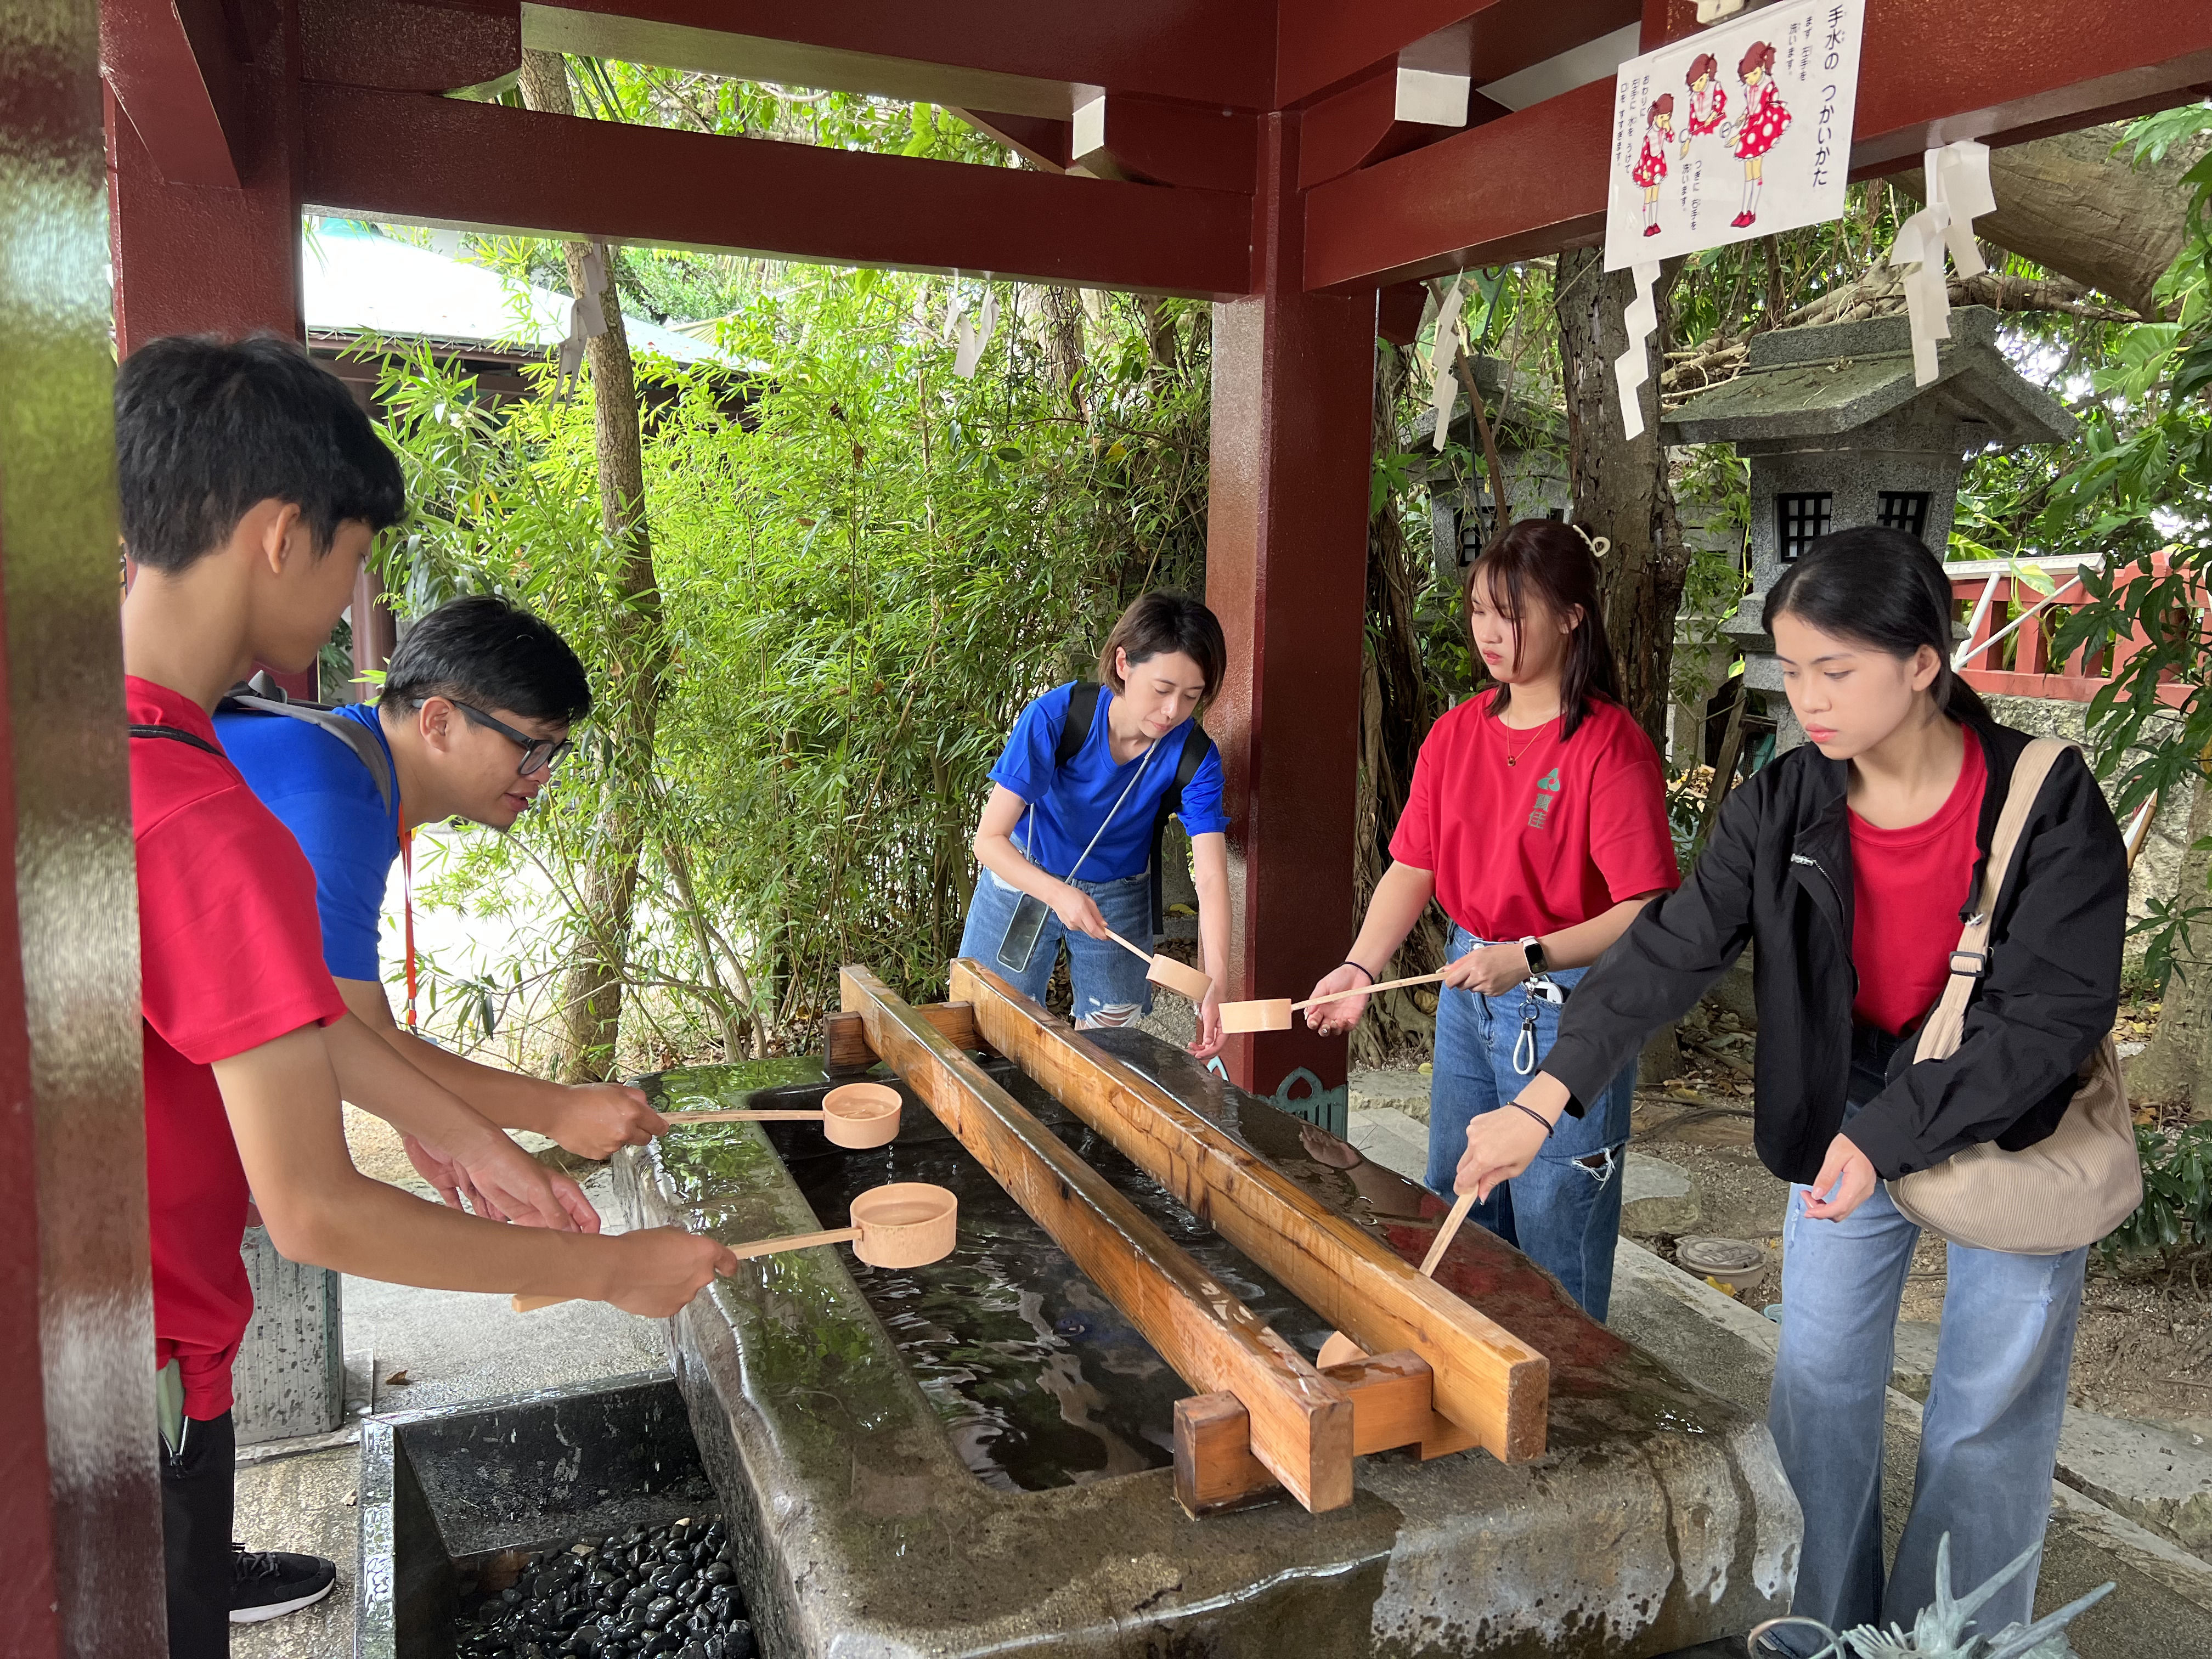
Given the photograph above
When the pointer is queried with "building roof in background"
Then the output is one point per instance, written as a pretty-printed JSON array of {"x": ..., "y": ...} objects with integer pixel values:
[{"x": 355, "y": 281}]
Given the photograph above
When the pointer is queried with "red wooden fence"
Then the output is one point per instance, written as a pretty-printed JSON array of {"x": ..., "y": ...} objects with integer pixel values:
[{"x": 2020, "y": 665}]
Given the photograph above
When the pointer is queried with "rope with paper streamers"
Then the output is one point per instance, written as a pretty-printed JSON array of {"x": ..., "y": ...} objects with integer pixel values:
[
  {"x": 587, "y": 316},
  {"x": 970, "y": 342},
  {"x": 1443, "y": 387},
  {"x": 1958, "y": 193},
  {"x": 1633, "y": 367}
]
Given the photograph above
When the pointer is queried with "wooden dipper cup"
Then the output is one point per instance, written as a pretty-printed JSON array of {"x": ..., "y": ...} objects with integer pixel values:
[
  {"x": 907, "y": 1224},
  {"x": 1166, "y": 970},
  {"x": 1341, "y": 1349},
  {"x": 1273, "y": 1013},
  {"x": 856, "y": 1115}
]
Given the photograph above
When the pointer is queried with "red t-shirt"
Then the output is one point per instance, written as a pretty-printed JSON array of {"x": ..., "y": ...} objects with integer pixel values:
[
  {"x": 231, "y": 957},
  {"x": 1528, "y": 834},
  {"x": 1907, "y": 888}
]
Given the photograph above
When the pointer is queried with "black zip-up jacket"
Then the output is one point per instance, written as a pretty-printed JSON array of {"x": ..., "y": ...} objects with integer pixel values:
[{"x": 1777, "y": 874}]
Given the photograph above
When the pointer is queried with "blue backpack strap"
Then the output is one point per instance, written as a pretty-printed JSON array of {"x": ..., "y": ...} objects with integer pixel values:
[{"x": 1196, "y": 746}]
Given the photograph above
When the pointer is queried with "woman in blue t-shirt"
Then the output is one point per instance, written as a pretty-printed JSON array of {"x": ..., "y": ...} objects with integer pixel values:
[{"x": 1071, "y": 821}]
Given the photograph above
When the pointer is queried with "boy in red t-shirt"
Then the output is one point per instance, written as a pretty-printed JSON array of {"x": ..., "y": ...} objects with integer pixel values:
[{"x": 252, "y": 487}]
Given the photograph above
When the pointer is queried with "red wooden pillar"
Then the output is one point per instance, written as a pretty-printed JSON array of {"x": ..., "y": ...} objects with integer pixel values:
[
  {"x": 202, "y": 145},
  {"x": 80, "y": 1506},
  {"x": 1286, "y": 572}
]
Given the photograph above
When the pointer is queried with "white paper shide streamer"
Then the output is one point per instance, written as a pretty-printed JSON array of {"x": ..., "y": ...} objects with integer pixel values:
[
  {"x": 971, "y": 339},
  {"x": 1958, "y": 193},
  {"x": 1443, "y": 387},
  {"x": 586, "y": 316},
  {"x": 1633, "y": 367}
]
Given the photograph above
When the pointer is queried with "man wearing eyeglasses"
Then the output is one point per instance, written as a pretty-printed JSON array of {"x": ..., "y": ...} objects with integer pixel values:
[{"x": 475, "y": 713}]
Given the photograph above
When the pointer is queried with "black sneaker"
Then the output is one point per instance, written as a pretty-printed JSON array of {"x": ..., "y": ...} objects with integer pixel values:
[{"x": 264, "y": 1583}]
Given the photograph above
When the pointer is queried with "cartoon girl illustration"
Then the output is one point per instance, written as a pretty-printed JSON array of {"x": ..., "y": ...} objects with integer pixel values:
[
  {"x": 1708, "y": 99},
  {"x": 1651, "y": 165},
  {"x": 1764, "y": 118}
]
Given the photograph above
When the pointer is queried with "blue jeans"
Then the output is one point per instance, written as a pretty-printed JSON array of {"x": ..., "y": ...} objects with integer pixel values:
[
  {"x": 1564, "y": 1211},
  {"x": 1110, "y": 987},
  {"x": 1989, "y": 1438}
]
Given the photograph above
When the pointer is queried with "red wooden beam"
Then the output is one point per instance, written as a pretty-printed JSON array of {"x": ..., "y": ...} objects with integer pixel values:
[
  {"x": 444, "y": 161},
  {"x": 1216, "y": 52},
  {"x": 1933, "y": 71},
  {"x": 1325, "y": 44},
  {"x": 172, "y": 66}
]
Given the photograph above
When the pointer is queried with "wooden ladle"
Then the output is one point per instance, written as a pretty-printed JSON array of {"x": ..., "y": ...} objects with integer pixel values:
[
  {"x": 1341, "y": 1349},
  {"x": 907, "y": 1224},
  {"x": 1166, "y": 970},
  {"x": 1273, "y": 1013},
  {"x": 856, "y": 1115}
]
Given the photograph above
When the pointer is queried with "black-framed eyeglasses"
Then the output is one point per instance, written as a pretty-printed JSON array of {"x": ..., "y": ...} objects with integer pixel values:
[{"x": 537, "y": 753}]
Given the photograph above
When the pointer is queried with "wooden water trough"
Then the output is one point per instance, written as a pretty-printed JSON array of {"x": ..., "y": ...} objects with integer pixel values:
[{"x": 1442, "y": 1377}]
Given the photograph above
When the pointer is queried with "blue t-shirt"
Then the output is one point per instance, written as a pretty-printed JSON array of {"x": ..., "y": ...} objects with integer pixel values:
[
  {"x": 320, "y": 790},
  {"x": 1072, "y": 801}
]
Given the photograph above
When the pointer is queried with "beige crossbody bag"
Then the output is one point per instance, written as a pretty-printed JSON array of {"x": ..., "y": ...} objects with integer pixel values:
[{"x": 2084, "y": 1179}]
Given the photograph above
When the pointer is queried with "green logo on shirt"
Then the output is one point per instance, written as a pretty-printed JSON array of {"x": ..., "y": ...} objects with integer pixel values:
[{"x": 1547, "y": 791}]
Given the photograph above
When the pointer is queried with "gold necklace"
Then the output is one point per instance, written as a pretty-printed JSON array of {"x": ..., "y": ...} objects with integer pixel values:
[{"x": 1512, "y": 759}]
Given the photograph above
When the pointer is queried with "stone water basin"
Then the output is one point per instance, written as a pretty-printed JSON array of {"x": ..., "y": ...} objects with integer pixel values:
[{"x": 973, "y": 1457}]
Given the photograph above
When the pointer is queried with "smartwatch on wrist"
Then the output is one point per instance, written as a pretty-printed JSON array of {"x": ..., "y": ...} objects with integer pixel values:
[{"x": 1531, "y": 949}]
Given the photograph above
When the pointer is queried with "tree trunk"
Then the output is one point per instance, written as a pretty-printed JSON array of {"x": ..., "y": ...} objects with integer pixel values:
[
  {"x": 592, "y": 992},
  {"x": 1396, "y": 711},
  {"x": 2180, "y": 1057},
  {"x": 1059, "y": 311},
  {"x": 1620, "y": 485},
  {"x": 2071, "y": 205}
]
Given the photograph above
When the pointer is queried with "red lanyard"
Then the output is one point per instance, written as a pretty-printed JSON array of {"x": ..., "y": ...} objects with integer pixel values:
[{"x": 407, "y": 903}]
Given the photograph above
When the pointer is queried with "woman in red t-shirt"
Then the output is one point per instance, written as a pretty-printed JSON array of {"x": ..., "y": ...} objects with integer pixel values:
[{"x": 1538, "y": 820}]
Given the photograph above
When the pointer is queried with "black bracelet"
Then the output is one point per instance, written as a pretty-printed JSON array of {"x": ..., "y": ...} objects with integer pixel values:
[
  {"x": 1534, "y": 1113},
  {"x": 1349, "y": 962}
]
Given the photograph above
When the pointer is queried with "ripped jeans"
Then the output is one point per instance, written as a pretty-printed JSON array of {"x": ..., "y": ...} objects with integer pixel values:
[
  {"x": 1110, "y": 987},
  {"x": 1564, "y": 1211}
]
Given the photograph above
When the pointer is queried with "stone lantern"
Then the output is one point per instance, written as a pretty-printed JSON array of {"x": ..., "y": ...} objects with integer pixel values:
[{"x": 1837, "y": 435}]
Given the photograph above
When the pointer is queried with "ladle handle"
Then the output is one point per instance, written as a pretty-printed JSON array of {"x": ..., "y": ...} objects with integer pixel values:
[
  {"x": 1133, "y": 950},
  {"x": 674, "y": 1118},
  {"x": 1368, "y": 990},
  {"x": 1446, "y": 1233},
  {"x": 764, "y": 1246},
  {"x": 796, "y": 1242}
]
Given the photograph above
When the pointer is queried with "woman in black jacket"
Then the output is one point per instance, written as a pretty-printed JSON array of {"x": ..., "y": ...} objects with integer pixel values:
[{"x": 1849, "y": 863}]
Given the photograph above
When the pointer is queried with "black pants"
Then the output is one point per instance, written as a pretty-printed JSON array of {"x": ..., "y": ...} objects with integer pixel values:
[{"x": 198, "y": 1487}]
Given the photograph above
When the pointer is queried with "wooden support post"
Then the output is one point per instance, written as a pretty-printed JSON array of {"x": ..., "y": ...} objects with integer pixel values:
[
  {"x": 1489, "y": 1383},
  {"x": 1301, "y": 1425},
  {"x": 845, "y": 1037},
  {"x": 1214, "y": 1467}
]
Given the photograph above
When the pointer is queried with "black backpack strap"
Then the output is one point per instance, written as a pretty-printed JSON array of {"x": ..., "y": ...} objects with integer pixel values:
[
  {"x": 1082, "y": 709},
  {"x": 352, "y": 733},
  {"x": 1196, "y": 746},
  {"x": 176, "y": 734}
]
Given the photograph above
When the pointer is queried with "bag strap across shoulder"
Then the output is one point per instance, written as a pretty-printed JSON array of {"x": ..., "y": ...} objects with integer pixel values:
[
  {"x": 352, "y": 733},
  {"x": 1946, "y": 1024}
]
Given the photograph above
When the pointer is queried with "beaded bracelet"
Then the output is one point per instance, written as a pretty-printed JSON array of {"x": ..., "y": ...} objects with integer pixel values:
[{"x": 1534, "y": 1113}]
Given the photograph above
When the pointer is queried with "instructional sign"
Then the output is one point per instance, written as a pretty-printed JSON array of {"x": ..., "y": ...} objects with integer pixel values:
[{"x": 1735, "y": 132}]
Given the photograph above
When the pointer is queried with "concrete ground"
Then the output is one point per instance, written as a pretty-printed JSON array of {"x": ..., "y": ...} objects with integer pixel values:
[
  {"x": 407, "y": 1350},
  {"x": 2163, "y": 1606}
]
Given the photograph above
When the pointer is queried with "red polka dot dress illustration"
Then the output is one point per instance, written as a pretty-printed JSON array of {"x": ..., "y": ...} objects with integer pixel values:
[
  {"x": 1708, "y": 101},
  {"x": 1763, "y": 121},
  {"x": 1651, "y": 167}
]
